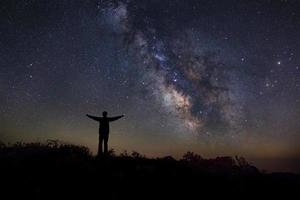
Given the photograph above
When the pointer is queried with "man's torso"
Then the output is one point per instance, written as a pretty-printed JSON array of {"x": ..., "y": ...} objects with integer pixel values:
[{"x": 104, "y": 126}]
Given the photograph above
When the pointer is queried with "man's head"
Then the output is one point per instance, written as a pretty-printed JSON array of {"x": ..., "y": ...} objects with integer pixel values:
[{"x": 104, "y": 114}]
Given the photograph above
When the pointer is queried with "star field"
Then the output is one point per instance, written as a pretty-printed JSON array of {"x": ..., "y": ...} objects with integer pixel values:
[{"x": 214, "y": 77}]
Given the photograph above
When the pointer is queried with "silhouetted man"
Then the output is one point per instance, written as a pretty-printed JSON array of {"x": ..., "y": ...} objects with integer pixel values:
[{"x": 104, "y": 129}]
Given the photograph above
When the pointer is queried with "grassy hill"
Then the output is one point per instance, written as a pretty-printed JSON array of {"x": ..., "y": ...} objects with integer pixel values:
[{"x": 55, "y": 170}]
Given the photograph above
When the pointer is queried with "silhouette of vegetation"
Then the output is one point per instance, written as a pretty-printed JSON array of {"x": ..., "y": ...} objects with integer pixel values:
[{"x": 56, "y": 170}]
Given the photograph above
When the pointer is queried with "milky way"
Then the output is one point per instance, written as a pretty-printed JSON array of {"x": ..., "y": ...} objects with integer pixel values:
[
  {"x": 189, "y": 82},
  {"x": 213, "y": 77}
]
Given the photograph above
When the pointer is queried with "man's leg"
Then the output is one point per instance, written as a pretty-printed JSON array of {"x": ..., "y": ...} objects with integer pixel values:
[
  {"x": 100, "y": 145},
  {"x": 106, "y": 144}
]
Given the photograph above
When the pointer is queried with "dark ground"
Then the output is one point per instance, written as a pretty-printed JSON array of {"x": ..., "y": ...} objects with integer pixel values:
[{"x": 61, "y": 171}]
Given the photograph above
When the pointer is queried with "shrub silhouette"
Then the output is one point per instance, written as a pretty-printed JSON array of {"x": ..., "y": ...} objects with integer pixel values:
[
  {"x": 54, "y": 169},
  {"x": 191, "y": 157}
]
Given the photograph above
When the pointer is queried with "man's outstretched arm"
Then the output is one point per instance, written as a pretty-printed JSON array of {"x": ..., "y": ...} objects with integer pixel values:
[
  {"x": 93, "y": 117},
  {"x": 115, "y": 118}
]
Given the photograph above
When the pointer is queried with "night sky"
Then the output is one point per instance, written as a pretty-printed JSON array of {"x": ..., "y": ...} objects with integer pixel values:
[{"x": 214, "y": 77}]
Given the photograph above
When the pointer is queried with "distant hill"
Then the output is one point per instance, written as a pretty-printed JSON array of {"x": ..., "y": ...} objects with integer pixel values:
[{"x": 55, "y": 170}]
